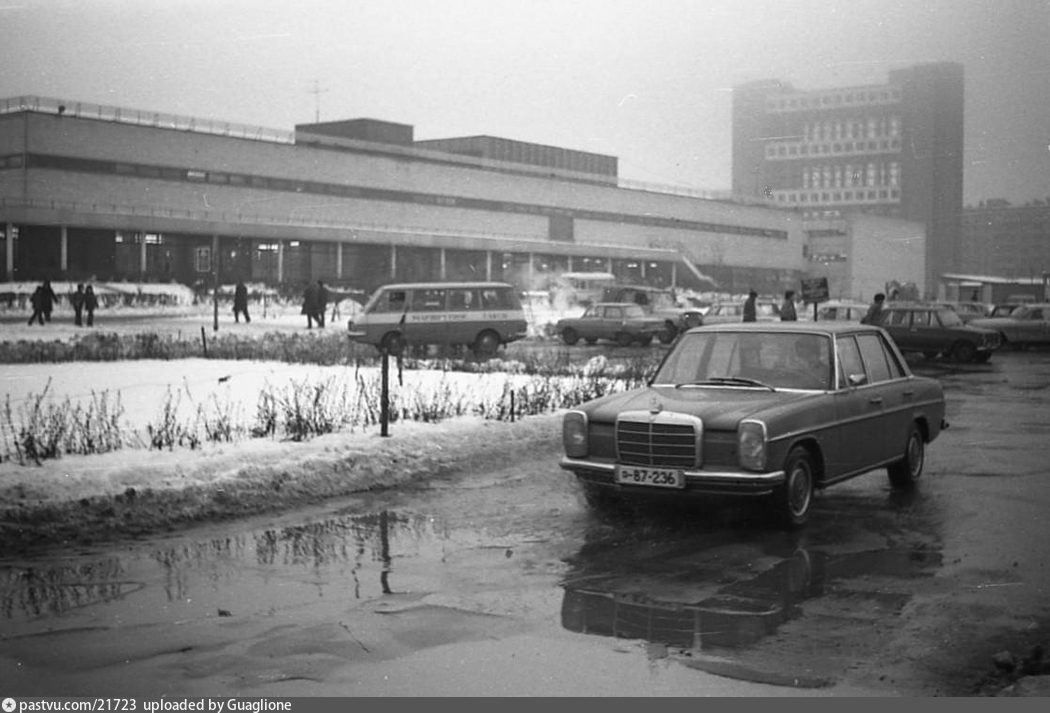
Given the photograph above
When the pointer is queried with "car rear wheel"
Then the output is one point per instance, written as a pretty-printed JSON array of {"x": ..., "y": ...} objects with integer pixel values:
[
  {"x": 667, "y": 334},
  {"x": 486, "y": 345},
  {"x": 964, "y": 351},
  {"x": 646, "y": 340},
  {"x": 907, "y": 470},
  {"x": 792, "y": 500},
  {"x": 591, "y": 340},
  {"x": 983, "y": 357},
  {"x": 569, "y": 336},
  {"x": 624, "y": 339}
]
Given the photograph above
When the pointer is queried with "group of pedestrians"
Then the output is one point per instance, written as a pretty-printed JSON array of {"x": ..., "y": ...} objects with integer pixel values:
[
  {"x": 44, "y": 299},
  {"x": 789, "y": 314}
]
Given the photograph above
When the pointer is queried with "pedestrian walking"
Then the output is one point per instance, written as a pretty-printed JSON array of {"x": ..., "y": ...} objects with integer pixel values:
[
  {"x": 749, "y": 306},
  {"x": 48, "y": 298},
  {"x": 310, "y": 304},
  {"x": 36, "y": 302},
  {"x": 874, "y": 315},
  {"x": 77, "y": 300},
  {"x": 787, "y": 309},
  {"x": 240, "y": 303},
  {"x": 90, "y": 304},
  {"x": 322, "y": 302}
]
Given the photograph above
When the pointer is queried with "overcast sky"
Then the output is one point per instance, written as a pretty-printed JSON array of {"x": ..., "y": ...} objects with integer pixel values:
[{"x": 648, "y": 81}]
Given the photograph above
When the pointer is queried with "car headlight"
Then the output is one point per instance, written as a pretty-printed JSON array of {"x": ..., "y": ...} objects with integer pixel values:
[
  {"x": 574, "y": 434},
  {"x": 751, "y": 445}
]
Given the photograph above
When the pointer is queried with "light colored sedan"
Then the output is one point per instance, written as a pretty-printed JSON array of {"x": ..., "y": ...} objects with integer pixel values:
[{"x": 1027, "y": 324}]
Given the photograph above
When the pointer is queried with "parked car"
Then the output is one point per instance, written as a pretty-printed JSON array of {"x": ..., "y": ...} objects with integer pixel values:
[
  {"x": 724, "y": 312},
  {"x": 934, "y": 330},
  {"x": 481, "y": 315},
  {"x": 758, "y": 409},
  {"x": 1027, "y": 324},
  {"x": 844, "y": 310},
  {"x": 625, "y": 323},
  {"x": 967, "y": 310},
  {"x": 658, "y": 302}
]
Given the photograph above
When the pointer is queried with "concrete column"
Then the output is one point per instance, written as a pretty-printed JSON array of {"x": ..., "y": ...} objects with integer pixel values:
[
  {"x": 142, "y": 254},
  {"x": 643, "y": 264},
  {"x": 570, "y": 264},
  {"x": 608, "y": 264},
  {"x": 393, "y": 261},
  {"x": 280, "y": 261},
  {"x": 441, "y": 262},
  {"x": 63, "y": 246},
  {"x": 339, "y": 261},
  {"x": 674, "y": 275},
  {"x": 532, "y": 268},
  {"x": 488, "y": 265},
  {"x": 9, "y": 249}
]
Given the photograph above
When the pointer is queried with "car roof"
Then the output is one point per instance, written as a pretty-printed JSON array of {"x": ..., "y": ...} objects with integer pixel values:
[
  {"x": 808, "y": 327},
  {"x": 615, "y": 304}
]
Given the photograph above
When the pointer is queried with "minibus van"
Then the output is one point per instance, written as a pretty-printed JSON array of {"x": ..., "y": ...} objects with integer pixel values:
[{"x": 480, "y": 315}]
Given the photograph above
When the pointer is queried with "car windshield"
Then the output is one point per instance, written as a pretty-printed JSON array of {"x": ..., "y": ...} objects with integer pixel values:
[{"x": 780, "y": 360}]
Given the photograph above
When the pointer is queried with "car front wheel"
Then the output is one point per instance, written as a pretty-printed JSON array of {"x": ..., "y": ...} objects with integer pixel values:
[
  {"x": 964, "y": 352},
  {"x": 624, "y": 339},
  {"x": 793, "y": 499},
  {"x": 569, "y": 336},
  {"x": 907, "y": 470}
]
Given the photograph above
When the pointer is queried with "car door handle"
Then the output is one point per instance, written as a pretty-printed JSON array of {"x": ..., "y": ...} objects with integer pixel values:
[
  {"x": 908, "y": 394},
  {"x": 875, "y": 401}
]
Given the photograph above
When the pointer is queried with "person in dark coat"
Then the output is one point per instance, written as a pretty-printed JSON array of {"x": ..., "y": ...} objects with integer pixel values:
[
  {"x": 240, "y": 303},
  {"x": 787, "y": 310},
  {"x": 749, "y": 306},
  {"x": 77, "y": 300},
  {"x": 322, "y": 303},
  {"x": 37, "y": 301},
  {"x": 310, "y": 304},
  {"x": 48, "y": 298},
  {"x": 90, "y": 304},
  {"x": 874, "y": 315}
]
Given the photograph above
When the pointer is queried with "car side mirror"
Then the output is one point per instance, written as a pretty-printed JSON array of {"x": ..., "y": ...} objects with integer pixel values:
[{"x": 857, "y": 379}]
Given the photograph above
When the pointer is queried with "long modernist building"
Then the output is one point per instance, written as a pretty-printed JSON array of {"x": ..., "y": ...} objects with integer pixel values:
[{"x": 105, "y": 193}]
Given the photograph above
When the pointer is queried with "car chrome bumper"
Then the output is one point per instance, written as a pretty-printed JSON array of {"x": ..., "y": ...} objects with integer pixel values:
[{"x": 707, "y": 481}]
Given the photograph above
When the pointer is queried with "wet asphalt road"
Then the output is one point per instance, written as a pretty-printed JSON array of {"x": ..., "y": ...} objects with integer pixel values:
[{"x": 502, "y": 583}]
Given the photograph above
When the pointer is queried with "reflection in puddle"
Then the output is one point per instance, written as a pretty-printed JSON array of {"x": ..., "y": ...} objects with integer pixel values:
[
  {"x": 737, "y": 614},
  {"x": 349, "y": 555}
]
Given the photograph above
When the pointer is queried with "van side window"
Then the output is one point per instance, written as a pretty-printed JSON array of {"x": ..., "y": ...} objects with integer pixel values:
[
  {"x": 428, "y": 300},
  {"x": 495, "y": 299},
  {"x": 392, "y": 301},
  {"x": 463, "y": 299}
]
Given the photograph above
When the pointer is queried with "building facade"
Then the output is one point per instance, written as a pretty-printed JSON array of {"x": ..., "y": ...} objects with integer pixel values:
[
  {"x": 894, "y": 150},
  {"x": 1006, "y": 240},
  {"x": 107, "y": 193}
]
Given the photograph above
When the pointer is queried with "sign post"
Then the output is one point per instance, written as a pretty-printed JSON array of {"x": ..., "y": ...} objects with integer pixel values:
[{"x": 815, "y": 290}]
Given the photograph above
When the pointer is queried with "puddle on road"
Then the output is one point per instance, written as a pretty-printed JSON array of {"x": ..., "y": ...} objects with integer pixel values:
[
  {"x": 348, "y": 558},
  {"x": 742, "y": 612}
]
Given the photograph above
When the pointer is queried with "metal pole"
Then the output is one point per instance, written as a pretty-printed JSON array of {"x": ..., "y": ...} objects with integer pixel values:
[
  {"x": 215, "y": 279},
  {"x": 384, "y": 396}
]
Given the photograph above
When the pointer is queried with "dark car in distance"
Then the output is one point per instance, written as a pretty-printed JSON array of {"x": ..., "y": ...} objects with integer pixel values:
[
  {"x": 769, "y": 409},
  {"x": 625, "y": 323},
  {"x": 658, "y": 302},
  {"x": 935, "y": 330}
]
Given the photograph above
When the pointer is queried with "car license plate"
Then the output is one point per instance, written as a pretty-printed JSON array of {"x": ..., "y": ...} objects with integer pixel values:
[{"x": 658, "y": 477}]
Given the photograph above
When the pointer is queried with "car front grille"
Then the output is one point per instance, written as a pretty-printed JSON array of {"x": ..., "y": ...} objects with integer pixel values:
[{"x": 666, "y": 440}]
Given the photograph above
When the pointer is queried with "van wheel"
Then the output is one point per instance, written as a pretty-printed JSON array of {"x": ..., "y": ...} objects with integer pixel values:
[
  {"x": 393, "y": 343},
  {"x": 569, "y": 336},
  {"x": 486, "y": 345}
]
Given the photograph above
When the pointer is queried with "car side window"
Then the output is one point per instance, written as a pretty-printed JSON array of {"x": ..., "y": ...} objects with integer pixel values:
[
  {"x": 613, "y": 313},
  {"x": 896, "y": 318},
  {"x": 874, "y": 355},
  {"x": 1036, "y": 313},
  {"x": 850, "y": 364}
]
